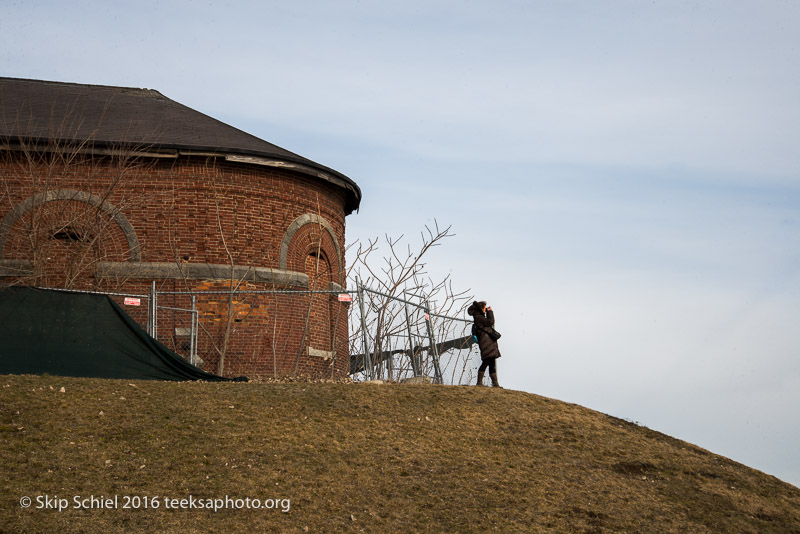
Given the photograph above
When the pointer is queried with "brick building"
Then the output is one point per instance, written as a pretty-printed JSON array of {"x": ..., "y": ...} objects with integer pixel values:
[{"x": 114, "y": 188}]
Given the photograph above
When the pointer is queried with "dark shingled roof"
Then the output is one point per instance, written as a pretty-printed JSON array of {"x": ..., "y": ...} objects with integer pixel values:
[{"x": 118, "y": 117}]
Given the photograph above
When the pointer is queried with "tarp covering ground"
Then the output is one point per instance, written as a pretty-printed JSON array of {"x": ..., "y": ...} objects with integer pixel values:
[{"x": 80, "y": 334}]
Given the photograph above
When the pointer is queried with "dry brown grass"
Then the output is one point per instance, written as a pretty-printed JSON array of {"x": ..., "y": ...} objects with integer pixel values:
[{"x": 360, "y": 457}]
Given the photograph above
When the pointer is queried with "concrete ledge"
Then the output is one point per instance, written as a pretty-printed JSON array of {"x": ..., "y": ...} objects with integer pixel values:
[
  {"x": 189, "y": 271},
  {"x": 202, "y": 271},
  {"x": 15, "y": 268}
]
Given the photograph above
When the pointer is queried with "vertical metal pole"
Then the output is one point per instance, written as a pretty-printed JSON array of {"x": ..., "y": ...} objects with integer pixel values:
[
  {"x": 434, "y": 351},
  {"x": 150, "y": 306},
  {"x": 150, "y": 314},
  {"x": 411, "y": 353},
  {"x": 154, "y": 300},
  {"x": 389, "y": 360},
  {"x": 151, "y": 321},
  {"x": 367, "y": 359},
  {"x": 193, "y": 334}
]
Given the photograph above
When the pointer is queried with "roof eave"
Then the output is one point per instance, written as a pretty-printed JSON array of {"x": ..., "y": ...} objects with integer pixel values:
[{"x": 301, "y": 165}]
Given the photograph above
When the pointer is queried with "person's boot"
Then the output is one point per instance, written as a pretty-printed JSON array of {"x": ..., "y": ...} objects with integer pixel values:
[
  {"x": 495, "y": 383},
  {"x": 480, "y": 378}
]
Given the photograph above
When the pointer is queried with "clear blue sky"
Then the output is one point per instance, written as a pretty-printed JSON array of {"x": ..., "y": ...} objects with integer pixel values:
[{"x": 623, "y": 176}]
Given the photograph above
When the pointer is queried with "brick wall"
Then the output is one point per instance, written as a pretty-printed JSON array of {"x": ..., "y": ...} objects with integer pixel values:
[{"x": 185, "y": 214}]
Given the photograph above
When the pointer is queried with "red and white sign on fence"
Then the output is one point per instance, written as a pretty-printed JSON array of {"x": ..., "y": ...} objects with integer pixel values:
[
  {"x": 345, "y": 297},
  {"x": 130, "y": 301}
]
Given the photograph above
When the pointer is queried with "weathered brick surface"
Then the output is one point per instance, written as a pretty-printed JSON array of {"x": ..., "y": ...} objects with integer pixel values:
[{"x": 191, "y": 211}]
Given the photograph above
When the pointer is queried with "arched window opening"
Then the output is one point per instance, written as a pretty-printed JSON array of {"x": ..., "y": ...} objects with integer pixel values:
[
  {"x": 71, "y": 234},
  {"x": 319, "y": 276}
]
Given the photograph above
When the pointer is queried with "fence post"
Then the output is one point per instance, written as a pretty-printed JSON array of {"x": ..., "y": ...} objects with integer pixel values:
[
  {"x": 389, "y": 362},
  {"x": 411, "y": 352},
  {"x": 367, "y": 359},
  {"x": 153, "y": 311},
  {"x": 149, "y": 328},
  {"x": 434, "y": 351},
  {"x": 193, "y": 334}
]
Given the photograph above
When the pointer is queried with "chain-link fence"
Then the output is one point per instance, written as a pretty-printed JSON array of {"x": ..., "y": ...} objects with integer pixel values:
[
  {"x": 258, "y": 333},
  {"x": 399, "y": 338},
  {"x": 364, "y": 333},
  {"x": 385, "y": 337}
]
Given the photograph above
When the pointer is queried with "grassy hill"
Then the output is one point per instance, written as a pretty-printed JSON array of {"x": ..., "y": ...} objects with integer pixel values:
[{"x": 355, "y": 457}]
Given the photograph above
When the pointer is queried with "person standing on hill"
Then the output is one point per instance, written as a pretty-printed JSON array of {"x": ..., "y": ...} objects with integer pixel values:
[{"x": 483, "y": 329}]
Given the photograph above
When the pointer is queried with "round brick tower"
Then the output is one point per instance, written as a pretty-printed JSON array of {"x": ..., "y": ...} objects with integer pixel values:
[{"x": 112, "y": 189}]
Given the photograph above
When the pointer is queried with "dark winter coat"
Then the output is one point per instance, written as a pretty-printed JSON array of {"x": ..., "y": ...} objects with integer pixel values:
[{"x": 483, "y": 324}]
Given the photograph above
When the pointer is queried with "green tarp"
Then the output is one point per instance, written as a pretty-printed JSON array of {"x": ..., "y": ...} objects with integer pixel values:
[{"x": 80, "y": 334}]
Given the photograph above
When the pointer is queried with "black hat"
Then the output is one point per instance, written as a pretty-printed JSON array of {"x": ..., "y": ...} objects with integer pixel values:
[{"x": 476, "y": 307}]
